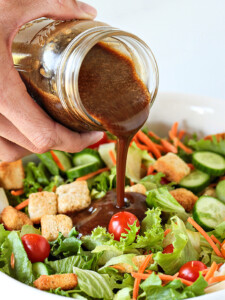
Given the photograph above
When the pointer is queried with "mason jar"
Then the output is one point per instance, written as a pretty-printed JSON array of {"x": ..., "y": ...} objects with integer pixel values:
[{"x": 48, "y": 55}]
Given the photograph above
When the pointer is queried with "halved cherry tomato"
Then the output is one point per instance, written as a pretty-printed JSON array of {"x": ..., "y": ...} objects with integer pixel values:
[
  {"x": 168, "y": 249},
  {"x": 119, "y": 223},
  {"x": 190, "y": 270},
  {"x": 36, "y": 246},
  {"x": 104, "y": 140},
  {"x": 223, "y": 248}
]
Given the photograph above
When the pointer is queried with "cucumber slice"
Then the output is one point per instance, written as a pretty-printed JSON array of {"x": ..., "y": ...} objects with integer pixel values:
[
  {"x": 40, "y": 268},
  {"x": 82, "y": 170},
  {"x": 220, "y": 190},
  {"x": 87, "y": 156},
  {"x": 196, "y": 181},
  {"x": 208, "y": 212},
  {"x": 104, "y": 151},
  {"x": 64, "y": 159},
  {"x": 209, "y": 162}
]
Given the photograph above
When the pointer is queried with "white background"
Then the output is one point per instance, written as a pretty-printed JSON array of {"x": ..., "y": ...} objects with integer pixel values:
[{"x": 186, "y": 36}]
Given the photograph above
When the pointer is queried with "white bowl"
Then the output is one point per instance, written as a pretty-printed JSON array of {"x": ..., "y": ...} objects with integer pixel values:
[{"x": 195, "y": 114}]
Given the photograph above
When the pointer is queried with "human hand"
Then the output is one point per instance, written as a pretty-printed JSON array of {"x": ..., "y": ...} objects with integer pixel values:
[{"x": 24, "y": 126}]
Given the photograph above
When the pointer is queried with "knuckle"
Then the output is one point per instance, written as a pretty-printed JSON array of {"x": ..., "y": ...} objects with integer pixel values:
[{"x": 43, "y": 142}]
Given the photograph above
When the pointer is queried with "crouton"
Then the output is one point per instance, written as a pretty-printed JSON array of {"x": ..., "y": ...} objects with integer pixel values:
[
  {"x": 40, "y": 204},
  {"x": 11, "y": 175},
  {"x": 14, "y": 219},
  {"x": 52, "y": 225},
  {"x": 210, "y": 191},
  {"x": 73, "y": 197},
  {"x": 63, "y": 281},
  {"x": 186, "y": 198},
  {"x": 136, "y": 188},
  {"x": 172, "y": 166}
]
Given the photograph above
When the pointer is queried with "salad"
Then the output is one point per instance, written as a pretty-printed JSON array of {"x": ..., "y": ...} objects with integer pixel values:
[{"x": 177, "y": 251}]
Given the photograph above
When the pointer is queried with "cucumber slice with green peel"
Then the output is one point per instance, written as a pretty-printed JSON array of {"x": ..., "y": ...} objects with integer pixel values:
[
  {"x": 87, "y": 156},
  {"x": 82, "y": 170},
  {"x": 208, "y": 212},
  {"x": 209, "y": 162},
  {"x": 40, "y": 268},
  {"x": 63, "y": 159},
  {"x": 220, "y": 190},
  {"x": 196, "y": 181}
]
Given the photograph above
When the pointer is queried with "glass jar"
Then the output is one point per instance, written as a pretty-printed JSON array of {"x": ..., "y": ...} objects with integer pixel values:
[{"x": 48, "y": 55}]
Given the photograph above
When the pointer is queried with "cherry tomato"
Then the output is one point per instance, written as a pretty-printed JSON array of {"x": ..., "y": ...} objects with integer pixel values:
[
  {"x": 119, "y": 223},
  {"x": 164, "y": 181},
  {"x": 168, "y": 249},
  {"x": 104, "y": 140},
  {"x": 190, "y": 270},
  {"x": 223, "y": 248},
  {"x": 36, "y": 246}
]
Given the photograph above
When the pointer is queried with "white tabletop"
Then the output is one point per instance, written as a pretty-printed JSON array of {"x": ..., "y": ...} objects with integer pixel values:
[{"x": 186, "y": 36}]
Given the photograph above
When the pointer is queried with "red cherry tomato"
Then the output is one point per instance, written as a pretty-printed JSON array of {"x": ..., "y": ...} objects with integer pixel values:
[
  {"x": 36, "y": 246},
  {"x": 190, "y": 270},
  {"x": 104, "y": 140},
  {"x": 168, "y": 249},
  {"x": 119, "y": 223}
]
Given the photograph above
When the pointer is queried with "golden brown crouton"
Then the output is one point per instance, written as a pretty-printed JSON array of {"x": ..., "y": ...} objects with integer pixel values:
[
  {"x": 172, "y": 166},
  {"x": 137, "y": 188},
  {"x": 186, "y": 198},
  {"x": 40, "y": 204},
  {"x": 73, "y": 197},
  {"x": 52, "y": 225},
  {"x": 14, "y": 219},
  {"x": 63, "y": 281},
  {"x": 11, "y": 175}
]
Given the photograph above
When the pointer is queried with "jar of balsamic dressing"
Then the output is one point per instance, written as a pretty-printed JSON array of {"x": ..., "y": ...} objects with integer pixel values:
[{"x": 87, "y": 75}]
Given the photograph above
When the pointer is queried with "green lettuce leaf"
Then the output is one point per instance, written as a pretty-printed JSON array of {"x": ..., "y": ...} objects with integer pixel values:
[
  {"x": 29, "y": 229},
  {"x": 209, "y": 145},
  {"x": 183, "y": 249},
  {"x": 70, "y": 294},
  {"x": 3, "y": 234},
  {"x": 152, "y": 181},
  {"x": 108, "y": 251},
  {"x": 23, "y": 267},
  {"x": 94, "y": 284},
  {"x": 126, "y": 259},
  {"x": 123, "y": 294}
]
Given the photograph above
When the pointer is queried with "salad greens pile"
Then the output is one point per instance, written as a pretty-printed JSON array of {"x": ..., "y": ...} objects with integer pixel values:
[{"x": 103, "y": 265}]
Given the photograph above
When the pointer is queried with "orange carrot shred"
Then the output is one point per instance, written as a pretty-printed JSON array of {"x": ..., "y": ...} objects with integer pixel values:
[
  {"x": 17, "y": 192},
  {"x": 131, "y": 182},
  {"x": 191, "y": 166},
  {"x": 142, "y": 147},
  {"x": 150, "y": 170},
  {"x": 167, "y": 231},
  {"x": 217, "y": 279},
  {"x": 168, "y": 146},
  {"x": 205, "y": 235},
  {"x": 22, "y": 205},
  {"x": 90, "y": 175},
  {"x": 152, "y": 134},
  {"x": 118, "y": 267},
  {"x": 181, "y": 134},
  {"x": 174, "y": 128},
  {"x": 211, "y": 271},
  {"x": 57, "y": 161},
  {"x": 40, "y": 189},
  {"x": 159, "y": 147},
  {"x": 215, "y": 240},
  {"x": 146, "y": 140},
  {"x": 54, "y": 188},
  {"x": 112, "y": 156},
  {"x": 12, "y": 261},
  {"x": 141, "y": 270},
  {"x": 177, "y": 143}
]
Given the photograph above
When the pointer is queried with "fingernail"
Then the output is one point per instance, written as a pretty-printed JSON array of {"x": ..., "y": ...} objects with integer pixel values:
[{"x": 90, "y": 11}]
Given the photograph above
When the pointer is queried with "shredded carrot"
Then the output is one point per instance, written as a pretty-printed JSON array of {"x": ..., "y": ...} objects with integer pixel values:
[
  {"x": 205, "y": 235},
  {"x": 12, "y": 261},
  {"x": 150, "y": 170},
  {"x": 181, "y": 134},
  {"x": 168, "y": 147},
  {"x": 148, "y": 271},
  {"x": 112, "y": 156},
  {"x": 40, "y": 189},
  {"x": 177, "y": 142},
  {"x": 176, "y": 275},
  {"x": 90, "y": 175},
  {"x": 142, "y": 147},
  {"x": 17, "y": 192},
  {"x": 222, "y": 178},
  {"x": 215, "y": 240},
  {"x": 57, "y": 161},
  {"x": 118, "y": 267},
  {"x": 211, "y": 271},
  {"x": 204, "y": 272},
  {"x": 141, "y": 270},
  {"x": 131, "y": 182},
  {"x": 167, "y": 231},
  {"x": 191, "y": 166},
  {"x": 22, "y": 205},
  {"x": 174, "y": 128},
  {"x": 150, "y": 154},
  {"x": 159, "y": 147},
  {"x": 162, "y": 277},
  {"x": 212, "y": 185},
  {"x": 152, "y": 134},
  {"x": 54, "y": 188},
  {"x": 217, "y": 279},
  {"x": 146, "y": 140}
]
